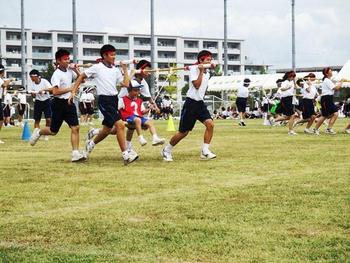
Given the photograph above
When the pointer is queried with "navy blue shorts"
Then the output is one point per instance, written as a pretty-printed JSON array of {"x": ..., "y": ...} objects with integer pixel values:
[
  {"x": 192, "y": 111},
  {"x": 108, "y": 106},
  {"x": 1, "y": 110},
  {"x": 21, "y": 109},
  {"x": 7, "y": 111},
  {"x": 308, "y": 108},
  {"x": 287, "y": 105},
  {"x": 62, "y": 111},
  {"x": 42, "y": 107},
  {"x": 241, "y": 104},
  {"x": 327, "y": 106}
]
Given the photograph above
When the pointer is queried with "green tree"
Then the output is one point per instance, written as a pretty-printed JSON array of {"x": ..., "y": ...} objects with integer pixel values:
[{"x": 47, "y": 73}]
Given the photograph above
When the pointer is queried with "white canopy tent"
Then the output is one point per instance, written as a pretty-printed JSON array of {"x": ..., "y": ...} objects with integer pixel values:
[{"x": 267, "y": 81}]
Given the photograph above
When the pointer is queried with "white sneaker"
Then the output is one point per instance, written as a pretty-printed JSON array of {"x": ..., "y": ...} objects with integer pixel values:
[
  {"x": 166, "y": 155},
  {"x": 2, "y": 142},
  {"x": 91, "y": 134},
  {"x": 347, "y": 131},
  {"x": 35, "y": 137},
  {"x": 330, "y": 131},
  {"x": 292, "y": 133},
  {"x": 142, "y": 141},
  {"x": 208, "y": 155},
  {"x": 317, "y": 132},
  {"x": 158, "y": 141},
  {"x": 308, "y": 131},
  {"x": 89, "y": 147},
  {"x": 78, "y": 156},
  {"x": 130, "y": 157}
]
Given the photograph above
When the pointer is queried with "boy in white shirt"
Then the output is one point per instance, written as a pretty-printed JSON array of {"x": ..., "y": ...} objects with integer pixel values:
[
  {"x": 62, "y": 109},
  {"x": 7, "y": 109},
  {"x": 241, "y": 101},
  {"x": 40, "y": 89},
  {"x": 194, "y": 109},
  {"x": 22, "y": 105},
  {"x": 3, "y": 86},
  {"x": 107, "y": 76}
]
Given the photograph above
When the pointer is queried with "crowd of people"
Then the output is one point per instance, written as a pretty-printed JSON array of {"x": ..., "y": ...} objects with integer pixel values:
[
  {"x": 295, "y": 102},
  {"x": 122, "y": 95}
]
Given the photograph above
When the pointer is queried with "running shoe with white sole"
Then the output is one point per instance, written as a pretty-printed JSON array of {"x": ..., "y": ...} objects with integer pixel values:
[
  {"x": 35, "y": 137},
  {"x": 208, "y": 155}
]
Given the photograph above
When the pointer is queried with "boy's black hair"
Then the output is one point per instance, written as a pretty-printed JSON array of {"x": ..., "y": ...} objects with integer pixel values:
[
  {"x": 2, "y": 68},
  {"x": 106, "y": 48},
  {"x": 299, "y": 82},
  {"x": 279, "y": 81},
  {"x": 34, "y": 72},
  {"x": 143, "y": 63},
  {"x": 60, "y": 53},
  {"x": 204, "y": 53}
]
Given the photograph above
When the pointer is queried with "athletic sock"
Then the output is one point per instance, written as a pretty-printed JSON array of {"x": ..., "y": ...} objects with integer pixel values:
[
  {"x": 155, "y": 136},
  {"x": 128, "y": 145},
  {"x": 205, "y": 148},
  {"x": 168, "y": 148}
]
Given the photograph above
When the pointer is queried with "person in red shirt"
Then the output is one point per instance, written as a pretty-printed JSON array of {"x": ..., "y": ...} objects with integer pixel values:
[{"x": 131, "y": 109}]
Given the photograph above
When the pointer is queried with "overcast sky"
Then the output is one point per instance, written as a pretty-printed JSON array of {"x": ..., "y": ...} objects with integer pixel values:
[{"x": 322, "y": 31}]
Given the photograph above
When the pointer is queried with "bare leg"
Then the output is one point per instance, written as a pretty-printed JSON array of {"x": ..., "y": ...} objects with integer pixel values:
[
  {"x": 311, "y": 121},
  {"x": 209, "y": 130},
  {"x": 104, "y": 132},
  {"x": 137, "y": 122},
  {"x": 333, "y": 120},
  {"x": 48, "y": 122},
  {"x": 319, "y": 122},
  {"x": 75, "y": 137},
  {"x": 177, "y": 138},
  {"x": 120, "y": 126},
  {"x": 291, "y": 122}
]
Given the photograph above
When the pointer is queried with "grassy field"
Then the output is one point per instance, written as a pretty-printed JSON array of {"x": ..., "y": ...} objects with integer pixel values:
[{"x": 267, "y": 197}]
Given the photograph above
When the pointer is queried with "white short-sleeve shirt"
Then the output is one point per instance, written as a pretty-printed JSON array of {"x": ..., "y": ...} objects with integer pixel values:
[
  {"x": 290, "y": 91},
  {"x": 36, "y": 88},
  {"x": 242, "y": 91},
  {"x": 90, "y": 97},
  {"x": 83, "y": 97},
  {"x": 63, "y": 79},
  {"x": 193, "y": 93},
  {"x": 309, "y": 94},
  {"x": 327, "y": 87},
  {"x": 8, "y": 99},
  {"x": 22, "y": 97},
  {"x": 106, "y": 78}
]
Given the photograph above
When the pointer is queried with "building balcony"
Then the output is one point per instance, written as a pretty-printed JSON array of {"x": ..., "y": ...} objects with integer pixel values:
[
  {"x": 41, "y": 42},
  {"x": 37, "y": 55},
  {"x": 120, "y": 45},
  {"x": 39, "y": 67}
]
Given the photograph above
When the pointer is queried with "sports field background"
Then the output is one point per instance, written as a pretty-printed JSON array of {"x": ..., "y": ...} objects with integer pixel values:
[{"x": 268, "y": 197}]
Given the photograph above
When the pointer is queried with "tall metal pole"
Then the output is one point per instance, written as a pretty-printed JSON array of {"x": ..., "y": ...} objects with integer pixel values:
[
  {"x": 293, "y": 34},
  {"x": 23, "y": 51},
  {"x": 75, "y": 36},
  {"x": 225, "y": 38},
  {"x": 153, "y": 55}
]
